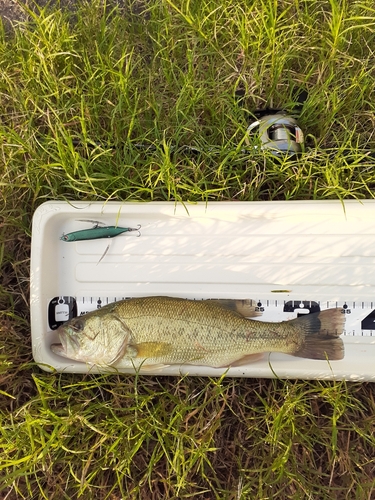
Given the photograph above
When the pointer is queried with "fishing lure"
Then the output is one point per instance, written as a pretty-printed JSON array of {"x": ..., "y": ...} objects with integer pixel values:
[{"x": 98, "y": 232}]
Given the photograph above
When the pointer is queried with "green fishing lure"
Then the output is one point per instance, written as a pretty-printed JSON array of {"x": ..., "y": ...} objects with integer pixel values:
[{"x": 96, "y": 232}]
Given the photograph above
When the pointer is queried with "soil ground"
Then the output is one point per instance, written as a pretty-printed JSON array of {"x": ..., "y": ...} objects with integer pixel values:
[{"x": 11, "y": 11}]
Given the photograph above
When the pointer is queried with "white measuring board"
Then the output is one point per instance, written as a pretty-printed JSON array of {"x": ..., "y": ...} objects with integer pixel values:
[{"x": 291, "y": 257}]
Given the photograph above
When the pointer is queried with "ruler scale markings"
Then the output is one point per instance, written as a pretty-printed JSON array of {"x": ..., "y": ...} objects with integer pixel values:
[{"x": 357, "y": 323}]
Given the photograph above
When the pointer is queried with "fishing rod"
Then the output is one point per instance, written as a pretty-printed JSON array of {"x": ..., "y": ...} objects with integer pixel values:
[
  {"x": 272, "y": 130},
  {"x": 278, "y": 133}
]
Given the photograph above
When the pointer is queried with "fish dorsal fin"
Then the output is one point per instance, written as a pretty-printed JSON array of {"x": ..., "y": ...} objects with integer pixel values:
[{"x": 246, "y": 307}]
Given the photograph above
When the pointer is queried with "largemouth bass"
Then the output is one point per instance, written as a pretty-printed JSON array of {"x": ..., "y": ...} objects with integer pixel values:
[{"x": 161, "y": 331}]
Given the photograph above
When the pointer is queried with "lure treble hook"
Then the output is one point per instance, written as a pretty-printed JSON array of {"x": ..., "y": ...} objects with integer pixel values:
[{"x": 136, "y": 229}]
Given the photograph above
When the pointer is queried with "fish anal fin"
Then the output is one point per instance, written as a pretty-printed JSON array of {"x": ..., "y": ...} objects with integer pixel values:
[
  {"x": 246, "y": 307},
  {"x": 155, "y": 367},
  {"x": 245, "y": 360}
]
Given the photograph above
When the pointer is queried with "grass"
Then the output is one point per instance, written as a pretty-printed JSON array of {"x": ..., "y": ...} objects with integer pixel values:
[{"x": 164, "y": 73}]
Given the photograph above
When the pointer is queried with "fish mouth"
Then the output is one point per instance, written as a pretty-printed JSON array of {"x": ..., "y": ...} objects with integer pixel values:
[
  {"x": 61, "y": 348},
  {"x": 58, "y": 349}
]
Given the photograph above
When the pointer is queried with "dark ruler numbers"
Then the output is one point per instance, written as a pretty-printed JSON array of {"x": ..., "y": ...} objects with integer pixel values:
[
  {"x": 259, "y": 307},
  {"x": 309, "y": 305},
  {"x": 368, "y": 323},
  {"x": 345, "y": 309}
]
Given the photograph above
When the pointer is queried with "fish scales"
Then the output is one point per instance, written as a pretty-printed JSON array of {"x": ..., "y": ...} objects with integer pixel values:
[
  {"x": 152, "y": 331},
  {"x": 201, "y": 332}
]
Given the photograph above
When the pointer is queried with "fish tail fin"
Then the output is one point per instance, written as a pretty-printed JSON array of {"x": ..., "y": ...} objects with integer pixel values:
[{"x": 321, "y": 335}]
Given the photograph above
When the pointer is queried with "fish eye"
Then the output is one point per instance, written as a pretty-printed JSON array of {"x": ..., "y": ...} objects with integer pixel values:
[{"x": 77, "y": 325}]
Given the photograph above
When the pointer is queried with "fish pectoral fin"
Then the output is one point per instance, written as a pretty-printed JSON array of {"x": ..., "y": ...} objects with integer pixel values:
[
  {"x": 151, "y": 349},
  {"x": 245, "y": 360},
  {"x": 246, "y": 307}
]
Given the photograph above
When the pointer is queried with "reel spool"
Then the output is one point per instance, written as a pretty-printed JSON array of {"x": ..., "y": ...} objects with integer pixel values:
[{"x": 279, "y": 133}]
